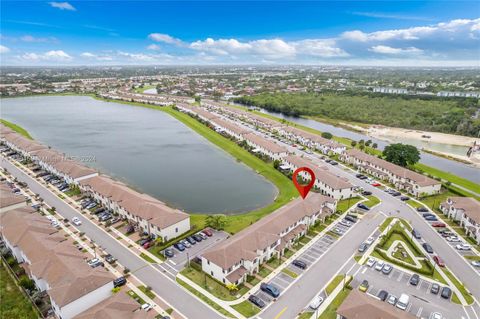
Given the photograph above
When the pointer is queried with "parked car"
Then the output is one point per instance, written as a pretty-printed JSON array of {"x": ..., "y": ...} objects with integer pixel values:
[
  {"x": 379, "y": 265},
  {"x": 431, "y": 218},
  {"x": 270, "y": 289},
  {"x": 446, "y": 293},
  {"x": 110, "y": 259},
  {"x": 435, "y": 289},
  {"x": 351, "y": 218},
  {"x": 106, "y": 217},
  {"x": 345, "y": 222},
  {"x": 382, "y": 295},
  {"x": 436, "y": 315},
  {"x": 438, "y": 261},
  {"x": 392, "y": 300},
  {"x": 256, "y": 301},
  {"x": 376, "y": 184},
  {"x": 387, "y": 269},
  {"x": 370, "y": 262},
  {"x": 366, "y": 193},
  {"x": 475, "y": 263},
  {"x": 463, "y": 246},
  {"x": 119, "y": 282},
  {"x": 208, "y": 232},
  {"x": 316, "y": 302},
  {"x": 169, "y": 252},
  {"x": 300, "y": 264},
  {"x": 404, "y": 198},
  {"x": 191, "y": 240},
  {"x": 416, "y": 234},
  {"x": 185, "y": 243},
  {"x": 369, "y": 240},
  {"x": 76, "y": 221},
  {"x": 147, "y": 307},
  {"x": 179, "y": 246},
  {"x": 363, "y": 206},
  {"x": 333, "y": 163},
  {"x": 422, "y": 209},
  {"x": 395, "y": 194},
  {"x": 197, "y": 237},
  {"x": 439, "y": 224},
  {"x": 453, "y": 239},
  {"x": 201, "y": 234},
  {"x": 403, "y": 302},
  {"x": 362, "y": 247},
  {"x": 414, "y": 280},
  {"x": 427, "y": 248},
  {"x": 364, "y": 286}
]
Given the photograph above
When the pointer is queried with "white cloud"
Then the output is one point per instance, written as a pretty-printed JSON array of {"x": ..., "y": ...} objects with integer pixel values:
[
  {"x": 88, "y": 55},
  {"x": 4, "y": 49},
  {"x": 161, "y": 37},
  {"x": 97, "y": 57},
  {"x": 30, "y": 38},
  {"x": 384, "y": 49},
  {"x": 319, "y": 48},
  {"x": 153, "y": 47},
  {"x": 52, "y": 56},
  {"x": 62, "y": 6},
  {"x": 355, "y": 35}
]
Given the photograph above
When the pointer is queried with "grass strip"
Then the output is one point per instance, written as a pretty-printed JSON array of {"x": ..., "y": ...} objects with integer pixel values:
[
  {"x": 16, "y": 128},
  {"x": 246, "y": 308}
]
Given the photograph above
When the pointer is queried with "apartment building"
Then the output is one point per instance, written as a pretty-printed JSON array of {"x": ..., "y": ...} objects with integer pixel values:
[
  {"x": 143, "y": 211},
  {"x": 327, "y": 183},
  {"x": 54, "y": 263},
  {"x": 402, "y": 178},
  {"x": 242, "y": 254},
  {"x": 465, "y": 210},
  {"x": 264, "y": 146},
  {"x": 229, "y": 128},
  {"x": 359, "y": 305},
  {"x": 310, "y": 140}
]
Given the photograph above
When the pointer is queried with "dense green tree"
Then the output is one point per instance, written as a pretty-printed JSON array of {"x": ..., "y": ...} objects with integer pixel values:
[
  {"x": 276, "y": 164},
  {"x": 217, "y": 221},
  {"x": 327, "y": 135},
  {"x": 401, "y": 154},
  {"x": 353, "y": 143}
]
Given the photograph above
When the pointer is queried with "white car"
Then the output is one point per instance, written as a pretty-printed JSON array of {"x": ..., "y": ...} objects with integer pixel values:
[
  {"x": 436, "y": 315},
  {"x": 476, "y": 263},
  {"x": 147, "y": 306},
  {"x": 379, "y": 265},
  {"x": 392, "y": 300},
  {"x": 186, "y": 243},
  {"x": 93, "y": 261},
  {"x": 316, "y": 302},
  {"x": 76, "y": 221},
  {"x": 345, "y": 223},
  {"x": 453, "y": 239},
  {"x": 369, "y": 241},
  {"x": 463, "y": 246},
  {"x": 370, "y": 262}
]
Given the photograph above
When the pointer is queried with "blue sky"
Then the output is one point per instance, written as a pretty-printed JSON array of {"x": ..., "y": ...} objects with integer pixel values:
[{"x": 226, "y": 32}]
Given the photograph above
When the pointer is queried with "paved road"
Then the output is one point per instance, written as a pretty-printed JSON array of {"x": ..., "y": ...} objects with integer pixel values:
[{"x": 171, "y": 292}]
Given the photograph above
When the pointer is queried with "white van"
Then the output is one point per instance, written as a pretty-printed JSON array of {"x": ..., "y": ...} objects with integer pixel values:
[{"x": 403, "y": 301}]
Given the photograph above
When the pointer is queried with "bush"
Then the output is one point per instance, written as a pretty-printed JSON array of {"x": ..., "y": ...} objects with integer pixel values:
[
  {"x": 126, "y": 271},
  {"x": 26, "y": 283}
]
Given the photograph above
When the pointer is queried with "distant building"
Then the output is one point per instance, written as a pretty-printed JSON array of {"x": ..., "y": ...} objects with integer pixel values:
[{"x": 465, "y": 210}]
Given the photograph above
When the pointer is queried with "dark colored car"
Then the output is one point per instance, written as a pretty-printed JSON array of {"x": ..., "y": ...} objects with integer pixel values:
[
  {"x": 119, "y": 282},
  {"x": 256, "y": 301},
  {"x": 366, "y": 193},
  {"x": 270, "y": 289},
  {"x": 179, "y": 246},
  {"x": 382, "y": 295},
  {"x": 110, "y": 259},
  {"x": 395, "y": 194},
  {"x": 191, "y": 240},
  {"x": 422, "y": 209},
  {"x": 431, "y": 218},
  {"x": 427, "y": 248},
  {"x": 359, "y": 175},
  {"x": 362, "y": 206},
  {"x": 414, "y": 280},
  {"x": 446, "y": 293},
  {"x": 169, "y": 253},
  {"x": 197, "y": 237},
  {"x": 416, "y": 234},
  {"x": 208, "y": 232},
  {"x": 351, "y": 218},
  {"x": 333, "y": 163},
  {"x": 404, "y": 198},
  {"x": 299, "y": 264},
  {"x": 435, "y": 289}
]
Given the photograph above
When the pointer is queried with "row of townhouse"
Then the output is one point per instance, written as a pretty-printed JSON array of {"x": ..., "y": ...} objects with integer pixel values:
[
  {"x": 465, "y": 210},
  {"x": 144, "y": 211},
  {"x": 149, "y": 214},
  {"x": 310, "y": 140},
  {"x": 402, "y": 178},
  {"x": 257, "y": 142},
  {"x": 45, "y": 157},
  {"x": 141, "y": 98},
  {"x": 242, "y": 254},
  {"x": 327, "y": 183},
  {"x": 57, "y": 267}
]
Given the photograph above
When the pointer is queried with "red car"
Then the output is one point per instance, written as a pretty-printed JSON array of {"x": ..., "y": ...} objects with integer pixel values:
[
  {"x": 376, "y": 184},
  {"x": 438, "y": 261},
  {"x": 147, "y": 245},
  {"x": 208, "y": 232},
  {"x": 438, "y": 224}
]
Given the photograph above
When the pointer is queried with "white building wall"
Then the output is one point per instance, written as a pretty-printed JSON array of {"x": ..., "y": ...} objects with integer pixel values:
[{"x": 175, "y": 230}]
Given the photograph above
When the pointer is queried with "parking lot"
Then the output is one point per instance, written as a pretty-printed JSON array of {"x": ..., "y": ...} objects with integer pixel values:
[
  {"x": 178, "y": 262},
  {"x": 309, "y": 256},
  {"x": 422, "y": 301}
]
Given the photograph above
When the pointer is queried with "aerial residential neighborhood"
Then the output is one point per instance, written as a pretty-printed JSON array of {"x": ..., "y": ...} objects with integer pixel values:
[{"x": 162, "y": 160}]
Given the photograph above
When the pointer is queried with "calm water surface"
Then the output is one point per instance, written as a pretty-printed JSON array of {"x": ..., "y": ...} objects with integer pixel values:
[{"x": 147, "y": 149}]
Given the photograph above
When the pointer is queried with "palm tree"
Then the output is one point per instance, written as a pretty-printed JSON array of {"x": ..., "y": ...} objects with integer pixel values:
[{"x": 232, "y": 288}]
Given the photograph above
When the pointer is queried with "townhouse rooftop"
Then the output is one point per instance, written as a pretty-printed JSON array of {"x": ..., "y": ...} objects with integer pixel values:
[
  {"x": 7, "y": 198},
  {"x": 264, "y": 143},
  {"x": 265, "y": 232},
  {"x": 469, "y": 205}
]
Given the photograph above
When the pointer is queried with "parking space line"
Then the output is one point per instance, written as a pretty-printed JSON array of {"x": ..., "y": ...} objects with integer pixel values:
[{"x": 419, "y": 312}]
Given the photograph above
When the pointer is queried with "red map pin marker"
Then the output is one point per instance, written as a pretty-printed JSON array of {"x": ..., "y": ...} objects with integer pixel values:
[{"x": 303, "y": 189}]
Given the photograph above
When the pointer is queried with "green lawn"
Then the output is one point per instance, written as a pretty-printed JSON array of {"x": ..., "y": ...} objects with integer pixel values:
[
  {"x": 147, "y": 292},
  {"x": 246, "y": 308},
  {"x": 344, "y": 204},
  {"x": 331, "y": 311},
  {"x": 289, "y": 273},
  {"x": 264, "y": 271},
  {"x": 449, "y": 177},
  {"x": 13, "y": 305},
  {"x": 136, "y": 297},
  {"x": 208, "y": 301},
  {"x": 16, "y": 128},
  {"x": 334, "y": 283},
  {"x": 468, "y": 297},
  {"x": 144, "y": 88},
  {"x": 372, "y": 201},
  {"x": 305, "y": 315},
  {"x": 211, "y": 285}
]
